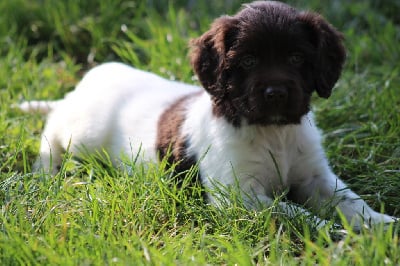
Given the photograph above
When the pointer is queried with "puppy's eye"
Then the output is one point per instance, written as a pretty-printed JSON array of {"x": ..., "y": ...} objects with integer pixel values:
[
  {"x": 248, "y": 61},
  {"x": 296, "y": 59}
]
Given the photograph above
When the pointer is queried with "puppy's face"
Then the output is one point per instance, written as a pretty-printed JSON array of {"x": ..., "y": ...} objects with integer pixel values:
[{"x": 263, "y": 64}]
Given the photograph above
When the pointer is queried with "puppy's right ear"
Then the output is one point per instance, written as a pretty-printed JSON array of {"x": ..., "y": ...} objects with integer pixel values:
[
  {"x": 330, "y": 52},
  {"x": 208, "y": 53}
]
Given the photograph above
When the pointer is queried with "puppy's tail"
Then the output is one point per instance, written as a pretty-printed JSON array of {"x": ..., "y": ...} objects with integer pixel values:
[{"x": 39, "y": 107}]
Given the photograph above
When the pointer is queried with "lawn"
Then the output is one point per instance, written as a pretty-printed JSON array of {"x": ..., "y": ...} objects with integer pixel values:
[{"x": 93, "y": 214}]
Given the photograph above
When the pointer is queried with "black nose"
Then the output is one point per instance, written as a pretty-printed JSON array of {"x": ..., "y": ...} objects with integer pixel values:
[{"x": 276, "y": 95}]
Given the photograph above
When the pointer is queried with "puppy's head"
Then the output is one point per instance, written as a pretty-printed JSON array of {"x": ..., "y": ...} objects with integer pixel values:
[{"x": 263, "y": 64}]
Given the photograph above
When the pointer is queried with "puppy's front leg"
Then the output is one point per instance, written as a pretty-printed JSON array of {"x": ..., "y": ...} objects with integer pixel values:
[
  {"x": 254, "y": 197},
  {"x": 290, "y": 210},
  {"x": 327, "y": 189}
]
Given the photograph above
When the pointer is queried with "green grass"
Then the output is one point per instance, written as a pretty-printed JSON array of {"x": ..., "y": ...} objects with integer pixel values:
[{"x": 92, "y": 214}]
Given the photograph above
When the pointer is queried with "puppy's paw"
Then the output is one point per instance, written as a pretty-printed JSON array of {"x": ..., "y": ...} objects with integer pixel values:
[
  {"x": 374, "y": 220},
  {"x": 379, "y": 218}
]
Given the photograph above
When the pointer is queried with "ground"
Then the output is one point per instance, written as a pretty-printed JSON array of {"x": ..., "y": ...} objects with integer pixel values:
[{"x": 92, "y": 214}]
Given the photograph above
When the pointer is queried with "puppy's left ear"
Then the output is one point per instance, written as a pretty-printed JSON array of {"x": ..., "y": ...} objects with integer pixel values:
[
  {"x": 208, "y": 54},
  {"x": 330, "y": 52}
]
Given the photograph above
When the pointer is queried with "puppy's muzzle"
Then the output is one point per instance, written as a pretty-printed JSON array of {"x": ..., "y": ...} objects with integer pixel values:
[{"x": 276, "y": 95}]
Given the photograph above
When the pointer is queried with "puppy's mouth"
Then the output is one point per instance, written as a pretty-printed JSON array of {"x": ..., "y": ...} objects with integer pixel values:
[{"x": 268, "y": 105}]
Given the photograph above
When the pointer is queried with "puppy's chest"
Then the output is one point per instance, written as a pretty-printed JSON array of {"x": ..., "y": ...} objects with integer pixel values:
[{"x": 269, "y": 158}]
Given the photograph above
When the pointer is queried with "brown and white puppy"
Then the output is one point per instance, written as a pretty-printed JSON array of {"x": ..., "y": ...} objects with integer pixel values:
[{"x": 249, "y": 127}]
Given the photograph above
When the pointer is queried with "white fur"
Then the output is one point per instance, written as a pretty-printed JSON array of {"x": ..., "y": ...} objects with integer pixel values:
[{"x": 116, "y": 108}]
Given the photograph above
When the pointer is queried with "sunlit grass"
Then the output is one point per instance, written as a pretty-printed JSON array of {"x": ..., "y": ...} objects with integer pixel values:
[{"x": 93, "y": 214}]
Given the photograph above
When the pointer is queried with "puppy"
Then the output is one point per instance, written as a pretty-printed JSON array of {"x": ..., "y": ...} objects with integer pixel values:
[{"x": 249, "y": 127}]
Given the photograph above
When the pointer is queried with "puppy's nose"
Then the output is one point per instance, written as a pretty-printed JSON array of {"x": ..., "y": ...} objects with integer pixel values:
[{"x": 275, "y": 95}]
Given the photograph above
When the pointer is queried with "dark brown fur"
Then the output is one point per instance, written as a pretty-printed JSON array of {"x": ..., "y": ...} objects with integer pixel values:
[
  {"x": 267, "y": 45},
  {"x": 170, "y": 141}
]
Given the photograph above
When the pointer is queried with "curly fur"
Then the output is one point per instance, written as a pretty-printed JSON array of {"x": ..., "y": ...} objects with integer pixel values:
[{"x": 249, "y": 127}]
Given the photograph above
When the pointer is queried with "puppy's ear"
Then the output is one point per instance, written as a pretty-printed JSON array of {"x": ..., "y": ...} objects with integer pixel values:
[
  {"x": 330, "y": 52},
  {"x": 208, "y": 53}
]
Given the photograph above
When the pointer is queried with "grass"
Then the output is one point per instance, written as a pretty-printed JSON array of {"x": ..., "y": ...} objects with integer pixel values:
[{"x": 91, "y": 214}]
